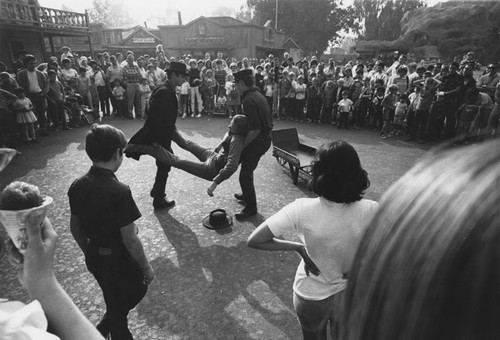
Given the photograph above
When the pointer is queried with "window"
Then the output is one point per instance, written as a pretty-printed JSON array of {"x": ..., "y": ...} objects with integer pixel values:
[{"x": 202, "y": 29}]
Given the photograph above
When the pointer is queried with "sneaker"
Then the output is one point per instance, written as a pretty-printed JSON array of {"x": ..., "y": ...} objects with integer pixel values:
[
  {"x": 198, "y": 115},
  {"x": 161, "y": 203},
  {"x": 244, "y": 214},
  {"x": 184, "y": 116},
  {"x": 192, "y": 115}
]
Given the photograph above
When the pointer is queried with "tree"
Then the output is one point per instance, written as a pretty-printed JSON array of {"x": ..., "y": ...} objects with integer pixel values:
[
  {"x": 113, "y": 14},
  {"x": 380, "y": 19},
  {"x": 312, "y": 24}
]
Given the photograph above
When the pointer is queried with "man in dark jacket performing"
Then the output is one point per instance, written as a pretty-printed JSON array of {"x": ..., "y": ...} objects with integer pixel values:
[
  {"x": 257, "y": 141},
  {"x": 160, "y": 128}
]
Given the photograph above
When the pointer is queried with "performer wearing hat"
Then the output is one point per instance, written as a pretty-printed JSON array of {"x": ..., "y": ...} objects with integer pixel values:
[
  {"x": 160, "y": 128},
  {"x": 258, "y": 140}
]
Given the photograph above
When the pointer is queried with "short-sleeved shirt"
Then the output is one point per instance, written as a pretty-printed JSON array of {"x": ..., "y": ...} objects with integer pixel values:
[
  {"x": 103, "y": 205},
  {"x": 331, "y": 233}
]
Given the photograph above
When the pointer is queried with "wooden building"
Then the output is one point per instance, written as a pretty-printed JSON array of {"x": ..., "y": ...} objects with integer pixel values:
[
  {"x": 24, "y": 25},
  {"x": 232, "y": 37}
]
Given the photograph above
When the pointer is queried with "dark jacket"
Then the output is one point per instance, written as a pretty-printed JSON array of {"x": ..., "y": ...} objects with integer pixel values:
[{"x": 162, "y": 114}]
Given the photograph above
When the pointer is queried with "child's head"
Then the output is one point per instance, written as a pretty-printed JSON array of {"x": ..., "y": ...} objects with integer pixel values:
[
  {"x": 82, "y": 71},
  {"x": 229, "y": 77},
  {"x": 20, "y": 196},
  {"x": 291, "y": 75},
  {"x": 52, "y": 75},
  {"x": 379, "y": 83},
  {"x": 4, "y": 76},
  {"x": 329, "y": 83},
  {"x": 19, "y": 91},
  {"x": 380, "y": 91},
  {"x": 144, "y": 81},
  {"x": 300, "y": 79},
  {"x": 340, "y": 82},
  {"x": 345, "y": 94},
  {"x": 315, "y": 81},
  {"x": 403, "y": 98},
  {"x": 393, "y": 89},
  {"x": 239, "y": 125},
  {"x": 117, "y": 82},
  {"x": 102, "y": 141}
]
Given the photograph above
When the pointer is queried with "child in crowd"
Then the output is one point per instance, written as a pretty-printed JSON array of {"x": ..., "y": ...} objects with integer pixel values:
[
  {"x": 55, "y": 101},
  {"x": 210, "y": 84},
  {"x": 145, "y": 91},
  {"x": 119, "y": 94},
  {"x": 284, "y": 86},
  {"x": 413, "y": 100},
  {"x": 345, "y": 107},
  {"x": 184, "y": 98},
  {"x": 388, "y": 107},
  {"x": 313, "y": 101},
  {"x": 378, "y": 117},
  {"x": 300, "y": 98},
  {"x": 268, "y": 91},
  {"x": 83, "y": 85},
  {"x": 400, "y": 114},
  {"x": 25, "y": 116},
  {"x": 422, "y": 109},
  {"x": 233, "y": 97},
  {"x": 328, "y": 99},
  {"x": 291, "y": 111}
]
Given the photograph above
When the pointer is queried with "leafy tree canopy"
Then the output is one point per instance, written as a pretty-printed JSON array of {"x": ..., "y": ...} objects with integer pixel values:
[
  {"x": 312, "y": 24},
  {"x": 112, "y": 14},
  {"x": 380, "y": 19}
]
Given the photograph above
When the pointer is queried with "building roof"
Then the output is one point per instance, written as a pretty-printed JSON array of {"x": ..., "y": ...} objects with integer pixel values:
[{"x": 290, "y": 43}]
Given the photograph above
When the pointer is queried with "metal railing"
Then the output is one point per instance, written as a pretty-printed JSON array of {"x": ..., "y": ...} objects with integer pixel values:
[{"x": 14, "y": 12}]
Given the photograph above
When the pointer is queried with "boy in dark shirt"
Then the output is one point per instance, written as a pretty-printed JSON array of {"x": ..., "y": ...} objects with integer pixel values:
[{"x": 102, "y": 222}]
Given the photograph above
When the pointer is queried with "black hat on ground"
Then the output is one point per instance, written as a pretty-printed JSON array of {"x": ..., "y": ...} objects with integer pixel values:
[
  {"x": 178, "y": 67},
  {"x": 217, "y": 219},
  {"x": 242, "y": 74}
]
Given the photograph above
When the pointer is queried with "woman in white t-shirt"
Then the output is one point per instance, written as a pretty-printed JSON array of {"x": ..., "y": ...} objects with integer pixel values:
[{"x": 330, "y": 228}]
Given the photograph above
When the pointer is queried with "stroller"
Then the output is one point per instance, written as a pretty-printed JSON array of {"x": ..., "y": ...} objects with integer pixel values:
[{"x": 75, "y": 112}]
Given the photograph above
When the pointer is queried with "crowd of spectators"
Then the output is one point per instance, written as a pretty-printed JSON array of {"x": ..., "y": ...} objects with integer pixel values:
[{"x": 416, "y": 101}]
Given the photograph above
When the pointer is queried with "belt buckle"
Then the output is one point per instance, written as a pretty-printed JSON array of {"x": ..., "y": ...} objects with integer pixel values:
[{"x": 104, "y": 251}]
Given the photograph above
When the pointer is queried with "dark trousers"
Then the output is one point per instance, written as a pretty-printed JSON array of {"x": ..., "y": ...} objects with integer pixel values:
[
  {"x": 249, "y": 160},
  {"x": 417, "y": 128},
  {"x": 103, "y": 99},
  {"x": 123, "y": 287},
  {"x": 313, "y": 107},
  {"x": 270, "y": 102},
  {"x": 55, "y": 111},
  {"x": 283, "y": 106},
  {"x": 299, "y": 108},
  {"x": 39, "y": 108},
  {"x": 343, "y": 120},
  {"x": 160, "y": 183}
]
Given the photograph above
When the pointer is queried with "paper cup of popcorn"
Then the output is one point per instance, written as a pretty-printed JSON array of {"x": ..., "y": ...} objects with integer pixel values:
[{"x": 16, "y": 222}]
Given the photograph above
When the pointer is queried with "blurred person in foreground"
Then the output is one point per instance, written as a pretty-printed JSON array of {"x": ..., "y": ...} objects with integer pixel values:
[
  {"x": 51, "y": 305},
  {"x": 428, "y": 266},
  {"x": 330, "y": 228}
]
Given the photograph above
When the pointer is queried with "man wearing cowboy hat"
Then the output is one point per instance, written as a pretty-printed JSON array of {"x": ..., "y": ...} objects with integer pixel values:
[
  {"x": 160, "y": 128},
  {"x": 258, "y": 140}
]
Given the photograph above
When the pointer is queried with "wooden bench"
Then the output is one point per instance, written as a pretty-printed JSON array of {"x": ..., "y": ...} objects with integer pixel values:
[{"x": 288, "y": 150}]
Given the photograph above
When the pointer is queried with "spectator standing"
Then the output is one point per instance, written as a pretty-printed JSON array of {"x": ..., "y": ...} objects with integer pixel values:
[
  {"x": 36, "y": 87},
  {"x": 132, "y": 78},
  {"x": 233, "y": 103},
  {"x": 328, "y": 103},
  {"x": 487, "y": 82},
  {"x": 119, "y": 93},
  {"x": 300, "y": 98},
  {"x": 388, "y": 107},
  {"x": 194, "y": 85},
  {"x": 145, "y": 91},
  {"x": 184, "y": 98},
  {"x": 114, "y": 72},
  {"x": 330, "y": 228},
  {"x": 345, "y": 107},
  {"x": 25, "y": 117},
  {"x": 284, "y": 87},
  {"x": 55, "y": 101},
  {"x": 103, "y": 215}
]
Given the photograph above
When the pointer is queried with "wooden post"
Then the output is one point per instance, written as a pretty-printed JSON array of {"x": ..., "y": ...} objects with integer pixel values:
[
  {"x": 52, "y": 48},
  {"x": 89, "y": 34}
]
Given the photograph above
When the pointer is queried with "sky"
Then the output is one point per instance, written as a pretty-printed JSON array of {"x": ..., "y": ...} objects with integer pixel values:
[
  {"x": 144, "y": 9},
  {"x": 166, "y": 10}
]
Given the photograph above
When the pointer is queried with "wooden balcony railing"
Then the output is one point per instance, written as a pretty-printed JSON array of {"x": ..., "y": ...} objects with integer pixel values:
[{"x": 14, "y": 12}]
